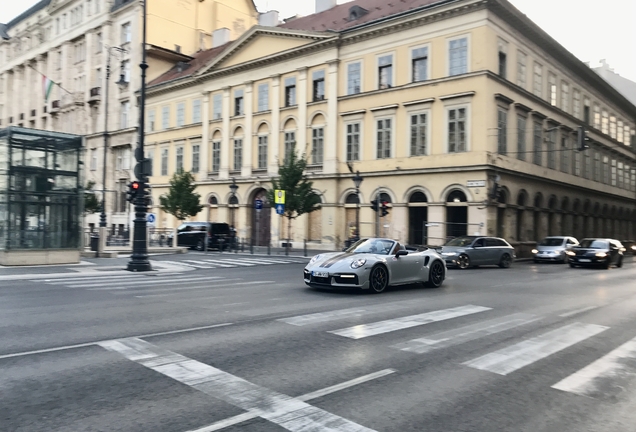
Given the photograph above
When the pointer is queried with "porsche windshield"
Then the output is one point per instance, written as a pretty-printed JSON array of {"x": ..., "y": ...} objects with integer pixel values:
[{"x": 374, "y": 246}]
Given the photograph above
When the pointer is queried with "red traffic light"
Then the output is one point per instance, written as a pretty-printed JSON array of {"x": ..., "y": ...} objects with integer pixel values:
[{"x": 134, "y": 185}]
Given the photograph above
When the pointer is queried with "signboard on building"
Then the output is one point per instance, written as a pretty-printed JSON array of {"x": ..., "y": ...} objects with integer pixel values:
[{"x": 476, "y": 183}]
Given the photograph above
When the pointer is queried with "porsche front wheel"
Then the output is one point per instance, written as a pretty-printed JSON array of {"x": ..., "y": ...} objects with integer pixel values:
[
  {"x": 435, "y": 275},
  {"x": 379, "y": 280}
]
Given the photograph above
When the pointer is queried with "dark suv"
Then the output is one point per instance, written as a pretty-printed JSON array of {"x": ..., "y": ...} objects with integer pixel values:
[
  {"x": 192, "y": 235},
  {"x": 597, "y": 251}
]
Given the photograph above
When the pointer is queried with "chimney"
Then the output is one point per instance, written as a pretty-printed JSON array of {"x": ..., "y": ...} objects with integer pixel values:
[
  {"x": 323, "y": 5},
  {"x": 220, "y": 37},
  {"x": 268, "y": 19}
]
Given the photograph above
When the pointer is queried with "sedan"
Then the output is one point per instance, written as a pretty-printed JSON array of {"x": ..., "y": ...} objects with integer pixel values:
[
  {"x": 473, "y": 251},
  {"x": 374, "y": 264},
  {"x": 553, "y": 249},
  {"x": 599, "y": 252}
]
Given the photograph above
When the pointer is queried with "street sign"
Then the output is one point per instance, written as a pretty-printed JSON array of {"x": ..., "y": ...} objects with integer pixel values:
[
  {"x": 151, "y": 218},
  {"x": 476, "y": 183},
  {"x": 280, "y": 209},
  {"x": 258, "y": 204},
  {"x": 279, "y": 196}
]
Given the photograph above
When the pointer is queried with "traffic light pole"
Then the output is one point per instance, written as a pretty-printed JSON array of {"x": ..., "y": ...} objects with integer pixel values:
[{"x": 139, "y": 258}]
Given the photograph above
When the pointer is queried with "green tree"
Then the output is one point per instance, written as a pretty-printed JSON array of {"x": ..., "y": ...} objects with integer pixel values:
[
  {"x": 300, "y": 197},
  {"x": 91, "y": 203},
  {"x": 181, "y": 201}
]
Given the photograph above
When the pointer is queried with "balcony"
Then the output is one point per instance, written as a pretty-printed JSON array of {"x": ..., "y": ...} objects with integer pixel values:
[
  {"x": 55, "y": 106},
  {"x": 95, "y": 95}
]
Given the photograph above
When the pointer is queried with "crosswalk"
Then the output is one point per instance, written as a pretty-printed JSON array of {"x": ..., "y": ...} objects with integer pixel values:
[
  {"x": 603, "y": 378},
  {"x": 235, "y": 262}
]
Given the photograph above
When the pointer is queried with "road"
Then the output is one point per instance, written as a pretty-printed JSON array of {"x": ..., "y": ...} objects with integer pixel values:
[{"x": 250, "y": 348}]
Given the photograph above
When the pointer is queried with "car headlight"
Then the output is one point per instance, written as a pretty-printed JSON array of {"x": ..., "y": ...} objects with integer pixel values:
[
  {"x": 601, "y": 254},
  {"x": 570, "y": 253},
  {"x": 358, "y": 263},
  {"x": 314, "y": 259},
  {"x": 634, "y": 247},
  {"x": 534, "y": 251},
  {"x": 449, "y": 253}
]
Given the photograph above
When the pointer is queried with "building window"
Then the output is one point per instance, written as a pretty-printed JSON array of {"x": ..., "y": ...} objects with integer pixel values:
[
  {"x": 385, "y": 71},
  {"x": 552, "y": 89},
  {"x": 538, "y": 137},
  {"x": 521, "y": 137},
  {"x": 577, "y": 163},
  {"x": 503, "y": 60},
  {"x": 597, "y": 166},
  {"x": 124, "y": 112},
  {"x": 179, "y": 161},
  {"x": 502, "y": 131},
  {"x": 612, "y": 126},
  {"x": 180, "y": 114},
  {"x": 164, "y": 162},
  {"x": 457, "y": 130},
  {"x": 613, "y": 172},
  {"x": 419, "y": 64},
  {"x": 564, "y": 153},
  {"x": 216, "y": 156},
  {"x": 353, "y": 141},
  {"x": 290, "y": 91},
  {"x": 263, "y": 97},
  {"x": 217, "y": 106},
  {"x": 93, "y": 159},
  {"x": 318, "y": 85},
  {"x": 150, "y": 157},
  {"x": 262, "y": 152},
  {"x": 586, "y": 111},
  {"x": 606, "y": 171},
  {"x": 196, "y": 111},
  {"x": 619, "y": 132},
  {"x": 238, "y": 153},
  {"x": 383, "y": 139},
  {"x": 565, "y": 96},
  {"x": 551, "y": 150},
  {"x": 125, "y": 33},
  {"x": 587, "y": 165},
  {"x": 537, "y": 82},
  {"x": 290, "y": 143},
  {"x": 521, "y": 69},
  {"x": 576, "y": 103},
  {"x": 419, "y": 132},
  {"x": 353, "y": 78},
  {"x": 458, "y": 56},
  {"x": 597, "y": 116},
  {"x": 238, "y": 103},
  {"x": 317, "y": 144},
  {"x": 151, "y": 120},
  {"x": 165, "y": 117},
  {"x": 98, "y": 43},
  {"x": 195, "y": 158},
  {"x": 605, "y": 122}
]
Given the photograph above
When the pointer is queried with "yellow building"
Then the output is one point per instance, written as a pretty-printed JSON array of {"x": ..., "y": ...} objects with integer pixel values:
[{"x": 437, "y": 104}]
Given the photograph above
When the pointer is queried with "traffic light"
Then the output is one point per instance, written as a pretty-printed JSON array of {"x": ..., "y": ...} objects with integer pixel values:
[
  {"x": 374, "y": 205},
  {"x": 133, "y": 190},
  {"x": 581, "y": 139},
  {"x": 385, "y": 208}
]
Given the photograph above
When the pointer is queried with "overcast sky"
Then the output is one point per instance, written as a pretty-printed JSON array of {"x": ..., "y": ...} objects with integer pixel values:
[{"x": 591, "y": 30}]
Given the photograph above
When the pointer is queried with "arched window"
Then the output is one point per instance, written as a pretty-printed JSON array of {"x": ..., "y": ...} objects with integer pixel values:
[
  {"x": 233, "y": 200},
  {"x": 213, "y": 201},
  {"x": 418, "y": 197},
  {"x": 352, "y": 198},
  {"x": 456, "y": 196}
]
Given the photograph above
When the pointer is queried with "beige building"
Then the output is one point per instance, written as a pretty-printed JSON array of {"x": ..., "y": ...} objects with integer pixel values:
[
  {"x": 435, "y": 103},
  {"x": 72, "y": 41}
]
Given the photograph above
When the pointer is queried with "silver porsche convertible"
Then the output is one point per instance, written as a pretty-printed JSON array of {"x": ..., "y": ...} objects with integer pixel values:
[{"x": 374, "y": 264}]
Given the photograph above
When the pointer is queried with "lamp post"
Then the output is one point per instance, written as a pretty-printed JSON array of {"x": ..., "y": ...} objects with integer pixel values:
[
  {"x": 233, "y": 188},
  {"x": 357, "y": 181},
  {"x": 122, "y": 82}
]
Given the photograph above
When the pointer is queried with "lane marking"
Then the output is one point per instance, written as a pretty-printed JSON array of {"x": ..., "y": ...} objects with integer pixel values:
[
  {"x": 187, "y": 288},
  {"x": 466, "y": 333},
  {"x": 607, "y": 376},
  {"x": 387, "y": 326},
  {"x": 290, "y": 413},
  {"x": 578, "y": 311},
  {"x": 231, "y": 421},
  {"x": 142, "y": 282},
  {"x": 108, "y": 287},
  {"x": 233, "y": 263},
  {"x": 87, "y": 344},
  {"x": 320, "y": 317},
  {"x": 522, "y": 354}
]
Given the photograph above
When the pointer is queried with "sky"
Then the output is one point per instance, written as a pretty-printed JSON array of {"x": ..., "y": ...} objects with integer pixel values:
[{"x": 591, "y": 30}]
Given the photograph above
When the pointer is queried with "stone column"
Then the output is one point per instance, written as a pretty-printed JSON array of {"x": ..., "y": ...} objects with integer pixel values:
[
  {"x": 331, "y": 140},
  {"x": 437, "y": 213},
  {"x": 248, "y": 139},
  {"x": 225, "y": 138},
  {"x": 204, "y": 156},
  {"x": 275, "y": 132}
]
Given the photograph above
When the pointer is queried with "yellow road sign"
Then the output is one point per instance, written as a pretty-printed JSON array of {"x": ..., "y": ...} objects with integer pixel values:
[{"x": 279, "y": 196}]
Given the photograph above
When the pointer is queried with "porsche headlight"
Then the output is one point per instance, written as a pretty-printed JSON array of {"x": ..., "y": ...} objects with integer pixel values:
[
  {"x": 449, "y": 253},
  {"x": 534, "y": 251},
  {"x": 358, "y": 263},
  {"x": 314, "y": 259},
  {"x": 601, "y": 254}
]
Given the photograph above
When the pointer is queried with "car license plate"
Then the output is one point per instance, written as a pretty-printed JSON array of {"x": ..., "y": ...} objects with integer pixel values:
[
  {"x": 585, "y": 260},
  {"x": 320, "y": 274}
]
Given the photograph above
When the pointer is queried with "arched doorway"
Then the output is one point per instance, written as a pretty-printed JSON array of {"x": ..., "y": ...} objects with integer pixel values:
[
  {"x": 502, "y": 200},
  {"x": 456, "y": 214},
  {"x": 521, "y": 209},
  {"x": 314, "y": 224},
  {"x": 352, "y": 203},
  {"x": 537, "y": 231},
  {"x": 212, "y": 210},
  {"x": 576, "y": 209},
  {"x": 385, "y": 221},
  {"x": 261, "y": 219},
  {"x": 552, "y": 216},
  {"x": 418, "y": 217}
]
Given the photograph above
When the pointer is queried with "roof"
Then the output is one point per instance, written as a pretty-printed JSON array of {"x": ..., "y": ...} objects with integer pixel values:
[
  {"x": 3, "y": 32},
  {"x": 199, "y": 60},
  {"x": 337, "y": 18},
  {"x": 27, "y": 13}
]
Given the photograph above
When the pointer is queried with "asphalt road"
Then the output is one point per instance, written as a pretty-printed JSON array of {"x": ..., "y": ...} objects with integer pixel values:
[{"x": 250, "y": 348}]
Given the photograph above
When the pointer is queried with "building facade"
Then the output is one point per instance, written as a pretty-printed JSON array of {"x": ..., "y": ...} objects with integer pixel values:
[
  {"x": 73, "y": 42},
  {"x": 463, "y": 116}
]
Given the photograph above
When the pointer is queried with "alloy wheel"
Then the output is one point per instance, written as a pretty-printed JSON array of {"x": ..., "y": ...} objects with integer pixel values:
[
  {"x": 505, "y": 261},
  {"x": 463, "y": 262},
  {"x": 436, "y": 275},
  {"x": 379, "y": 279}
]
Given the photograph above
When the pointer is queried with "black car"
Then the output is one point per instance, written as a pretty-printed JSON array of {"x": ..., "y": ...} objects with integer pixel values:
[
  {"x": 192, "y": 235},
  {"x": 597, "y": 251}
]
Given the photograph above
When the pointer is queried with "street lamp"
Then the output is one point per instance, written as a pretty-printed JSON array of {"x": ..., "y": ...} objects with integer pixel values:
[
  {"x": 121, "y": 83},
  {"x": 357, "y": 181},
  {"x": 233, "y": 188}
]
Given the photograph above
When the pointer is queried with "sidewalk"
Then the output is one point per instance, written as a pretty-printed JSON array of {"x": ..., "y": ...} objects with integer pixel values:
[{"x": 114, "y": 251}]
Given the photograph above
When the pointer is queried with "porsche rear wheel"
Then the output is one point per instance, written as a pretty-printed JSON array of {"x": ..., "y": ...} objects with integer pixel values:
[
  {"x": 379, "y": 280},
  {"x": 435, "y": 275}
]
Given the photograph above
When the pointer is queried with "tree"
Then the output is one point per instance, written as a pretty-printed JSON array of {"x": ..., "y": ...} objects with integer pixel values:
[
  {"x": 91, "y": 203},
  {"x": 300, "y": 197},
  {"x": 181, "y": 201}
]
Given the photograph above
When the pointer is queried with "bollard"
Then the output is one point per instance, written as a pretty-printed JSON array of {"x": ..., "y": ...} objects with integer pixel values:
[{"x": 305, "y": 247}]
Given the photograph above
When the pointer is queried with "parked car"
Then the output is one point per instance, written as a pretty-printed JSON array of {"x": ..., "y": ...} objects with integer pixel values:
[
  {"x": 473, "y": 251},
  {"x": 554, "y": 248},
  {"x": 192, "y": 235},
  {"x": 630, "y": 246},
  {"x": 597, "y": 251}
]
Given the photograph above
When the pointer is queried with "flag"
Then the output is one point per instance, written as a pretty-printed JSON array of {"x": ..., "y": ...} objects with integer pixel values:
[{"x": 47, "y": 86}]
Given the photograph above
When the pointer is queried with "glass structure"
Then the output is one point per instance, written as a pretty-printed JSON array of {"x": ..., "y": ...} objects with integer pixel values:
[{"x": 40, "y": 190}]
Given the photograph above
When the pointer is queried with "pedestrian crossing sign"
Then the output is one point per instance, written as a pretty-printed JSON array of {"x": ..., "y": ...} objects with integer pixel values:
[{"x": 279, "y": 196}]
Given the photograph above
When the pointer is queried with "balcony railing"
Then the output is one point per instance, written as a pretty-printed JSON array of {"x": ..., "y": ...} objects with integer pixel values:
[{"x": 95, "y": 95}]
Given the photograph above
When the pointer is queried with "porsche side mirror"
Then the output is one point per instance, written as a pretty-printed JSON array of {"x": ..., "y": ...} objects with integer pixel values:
[{"x": 401, "y": 253}]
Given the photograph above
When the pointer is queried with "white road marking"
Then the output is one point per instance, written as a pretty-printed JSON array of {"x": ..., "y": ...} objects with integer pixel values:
[
  {"x": 231, "y": 421},
  {"x": 87, "y": 344},
  {"x": 466, "y": 333},
  {"x": 135, "y": 284},
  {"x": 138, "y": 282},
  {"x": 64, "y": 280},
  {"x": 231, "y": 263},
  {"x": 387, "y": 326},
  {"x": 522, "y": 354},
  {"x": 205, "y": 265},
  {"x": 604, "y": 377},
  {"x": 578, "y": 311},
  {"x": 320, "y": 317},
  {"x": 290, "y": 413},
  {"x": 178, "y": 289}
]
